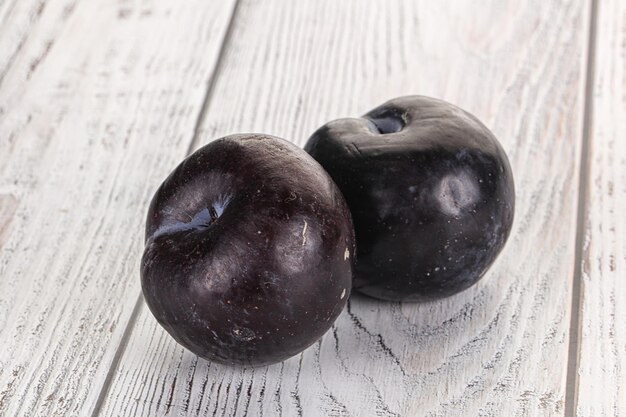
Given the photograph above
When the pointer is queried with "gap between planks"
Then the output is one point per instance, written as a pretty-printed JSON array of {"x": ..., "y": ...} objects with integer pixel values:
[
  {"x": 217, "y": 70},
  {"x": 214, "y": 74},
  {"x": 573, "y": 357}
]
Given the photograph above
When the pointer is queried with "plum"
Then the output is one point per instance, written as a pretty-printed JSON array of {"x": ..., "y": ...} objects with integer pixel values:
[
  {"x": 431, "y": 194},
  {"x": 249, "y": 251}
]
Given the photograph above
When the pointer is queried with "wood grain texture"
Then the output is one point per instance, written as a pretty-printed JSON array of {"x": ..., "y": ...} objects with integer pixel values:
[
  {"x": 18, "y": 22},
  {"x": 8, "y": 205},
  {"x": 97, "y": 100},
  {"x": 498, "y": 349},
  {"x": 602, "y": 363}
]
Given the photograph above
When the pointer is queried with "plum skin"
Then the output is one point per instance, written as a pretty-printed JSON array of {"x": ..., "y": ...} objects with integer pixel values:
[
  {"x": 249, "y": 251},
  {"x": 431, "y": 194}
]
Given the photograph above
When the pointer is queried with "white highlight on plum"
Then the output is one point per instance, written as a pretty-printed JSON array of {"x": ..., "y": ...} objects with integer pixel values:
[
  {"x": 220, "y": 204},
  {"x": 456, "y": 192},
  {"x": 298, "y": 244},
  {"x": 346, "y": 254},
  {"x": 201, "y": 218},
  {"x": 343, "y": 294},
  {"x": 304, "y": 233}
]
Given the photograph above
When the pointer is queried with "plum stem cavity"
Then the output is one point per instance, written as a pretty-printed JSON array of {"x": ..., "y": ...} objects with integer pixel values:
[
  {"x": 387, "y": 123},
  {"x": 201, "y": 220}
]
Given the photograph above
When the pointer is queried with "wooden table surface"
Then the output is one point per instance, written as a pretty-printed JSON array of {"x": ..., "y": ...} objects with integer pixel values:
[{"x": 100, "y": 99}]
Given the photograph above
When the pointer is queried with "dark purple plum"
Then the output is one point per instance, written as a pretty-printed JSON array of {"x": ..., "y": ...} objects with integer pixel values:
[
  {"x": 431, "y": 194},
  {"x": 249, "y": 251}
]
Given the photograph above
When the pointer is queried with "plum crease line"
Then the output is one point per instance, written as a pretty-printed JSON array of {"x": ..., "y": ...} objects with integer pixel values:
[
  {"x": 573, "y": 357},
  {"x": 215, "y": 73}
]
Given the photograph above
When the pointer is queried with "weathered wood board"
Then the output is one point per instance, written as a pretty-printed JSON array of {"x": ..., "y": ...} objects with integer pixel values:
[
  {"x": 97, "y": 100},
  {"x": 601, "y": 375}
]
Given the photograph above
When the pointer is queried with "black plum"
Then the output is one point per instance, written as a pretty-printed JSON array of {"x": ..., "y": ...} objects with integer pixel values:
[
  {"x": 431, "y": 194},
  {"x": 249, "y": 251}
]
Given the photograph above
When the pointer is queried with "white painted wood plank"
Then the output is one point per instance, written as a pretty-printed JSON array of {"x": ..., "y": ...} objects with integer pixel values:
[
  {"x": 18, "y": 20},
  {"x": 8, "y": 205},
  {"x": 97, "y": 100},
  {"x": 602, "y": 364},
  {"x": 500, "y": 348}
]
